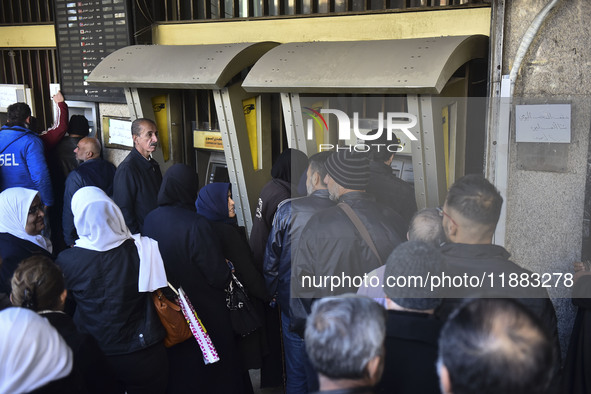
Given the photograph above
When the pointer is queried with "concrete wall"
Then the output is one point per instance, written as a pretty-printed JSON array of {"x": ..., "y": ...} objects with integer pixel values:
[{"x": 545, "y": 209}]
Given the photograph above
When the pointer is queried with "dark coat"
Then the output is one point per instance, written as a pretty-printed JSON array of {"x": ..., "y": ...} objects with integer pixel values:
[
  {"x": 286, "y": 173},
  {"x": 272, "y": 194},
  {"x": 411, "y": 353},
  {"x": 212, "y": 203},
  {"x": 94, "y": 172},
  {"x": 12, "y": 251},
  {"x": 109, "y": 307},
  {"x": 89, "y": 361},
  {"x": 290, "y": 219},
  {"x": 576, "y": 378},
  {"x": 61, "y": 161},
  {"x": 135, "y": 189},
  {"x": 479, "y": 260},
  {"x": 392, "y": 191},
  {"x": 193, "y": 260},
  {"x": 331, "y": 245}
]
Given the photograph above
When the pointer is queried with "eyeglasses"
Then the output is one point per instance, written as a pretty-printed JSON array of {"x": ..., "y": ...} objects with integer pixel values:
[
  {"x": 36, "y": 208},
  {"x": 443, "y": 213}
]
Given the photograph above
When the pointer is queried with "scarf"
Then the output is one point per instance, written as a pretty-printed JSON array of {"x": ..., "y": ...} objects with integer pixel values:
[
  {"x": 33, "y": 352},
  {"x": 101, "y": 227},
  {"x": 212, "y": 202},
  {"x": 15, "y": 203},
  {"x": 179, "y": 187}
]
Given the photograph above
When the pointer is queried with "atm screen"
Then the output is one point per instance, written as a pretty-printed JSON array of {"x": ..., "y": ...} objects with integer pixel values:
[{"x": 218, "y": 172}]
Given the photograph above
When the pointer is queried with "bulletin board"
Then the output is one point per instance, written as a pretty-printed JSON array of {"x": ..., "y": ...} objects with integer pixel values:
[
  {"x": 10, "y": 94},
  {"x": 117, "y": 132}
]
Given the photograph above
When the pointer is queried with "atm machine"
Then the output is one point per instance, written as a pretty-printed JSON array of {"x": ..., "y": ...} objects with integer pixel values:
[
  {"x": 424, "y": 83},
  {"x": 227, "y": 148}
]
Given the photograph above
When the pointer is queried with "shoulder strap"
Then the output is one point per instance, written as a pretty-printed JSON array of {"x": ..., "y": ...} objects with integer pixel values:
[{"x": 361, "y": 228}]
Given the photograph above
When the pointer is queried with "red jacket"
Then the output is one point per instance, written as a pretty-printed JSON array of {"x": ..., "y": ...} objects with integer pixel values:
[{"x": 52, "y": 136}]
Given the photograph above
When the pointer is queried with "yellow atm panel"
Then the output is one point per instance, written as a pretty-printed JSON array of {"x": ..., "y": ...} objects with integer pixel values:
[{"x": 161, "y": 119}]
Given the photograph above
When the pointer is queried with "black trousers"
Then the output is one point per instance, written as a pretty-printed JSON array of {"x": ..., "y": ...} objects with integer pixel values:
[{"x": 142, "y": 372}]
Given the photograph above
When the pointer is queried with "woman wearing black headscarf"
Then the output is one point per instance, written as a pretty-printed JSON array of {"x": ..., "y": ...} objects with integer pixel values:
[
  {"x": 286, "y": 172},
  {"x": 193, "y": 259},
  {"x": 216, "y": 204}
]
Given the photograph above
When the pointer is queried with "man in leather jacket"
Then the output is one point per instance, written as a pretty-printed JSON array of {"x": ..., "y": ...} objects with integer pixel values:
[{"x": 288, "y": 223}]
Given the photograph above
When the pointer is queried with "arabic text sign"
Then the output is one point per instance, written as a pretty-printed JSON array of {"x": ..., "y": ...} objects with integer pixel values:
[{"x": 543, "y": 123}]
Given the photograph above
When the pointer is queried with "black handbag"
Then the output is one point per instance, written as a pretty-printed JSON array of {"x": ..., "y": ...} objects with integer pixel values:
[{"x": 243, "y": 316}]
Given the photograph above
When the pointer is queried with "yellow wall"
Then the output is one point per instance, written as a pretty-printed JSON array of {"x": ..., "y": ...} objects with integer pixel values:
[
  {"x": 32, "y": 36},
  {"x": 329, "y": 28},
  {"x": 322, "y": 28}
]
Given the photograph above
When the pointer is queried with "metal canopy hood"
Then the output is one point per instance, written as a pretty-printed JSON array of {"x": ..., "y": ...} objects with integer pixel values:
[
  {"x": 176, "y": 66},
  {"x": 418, "y": 65}
]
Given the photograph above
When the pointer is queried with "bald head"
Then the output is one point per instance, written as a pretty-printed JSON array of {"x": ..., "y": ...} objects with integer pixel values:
[
  {"x": 494, "y": 346},
  {"x": 426, "y": 226},
  {"x": 88, "y": 148}
]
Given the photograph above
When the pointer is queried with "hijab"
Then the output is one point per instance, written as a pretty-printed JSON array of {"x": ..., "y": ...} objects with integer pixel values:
[
  {"x": 101, "y": 227},
  {"x": 290, "y": 165},
  {"x": 212, "y": 202},
  {"x": 33, "y": 352},
  {"x": 179, "y": 187},
  {"x": 98, "y": 220},
  {"x": 15, "y": 203}
]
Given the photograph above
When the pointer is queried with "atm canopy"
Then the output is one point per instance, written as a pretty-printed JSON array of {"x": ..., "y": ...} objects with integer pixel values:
[
  {"x": 177, "y": 66},
  {"x": 418, "y": 65}
]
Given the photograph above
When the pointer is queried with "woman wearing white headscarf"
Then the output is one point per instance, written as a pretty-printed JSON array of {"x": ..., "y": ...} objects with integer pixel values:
[
  {"x": 34, "y": 356},
  {"x": 111, "y": 291},
  {"x": 22, "y": 214}
]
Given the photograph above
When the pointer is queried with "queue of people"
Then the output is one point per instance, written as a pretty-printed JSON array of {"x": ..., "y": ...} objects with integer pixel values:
[{"x": 90, "y": 322}]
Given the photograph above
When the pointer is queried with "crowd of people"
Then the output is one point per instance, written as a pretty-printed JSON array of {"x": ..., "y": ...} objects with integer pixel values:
[{"x": 76, "y": 307}]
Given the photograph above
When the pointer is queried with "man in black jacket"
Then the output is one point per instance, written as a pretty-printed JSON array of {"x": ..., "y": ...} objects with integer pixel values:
[
  {"x": 138, "y": 177},
  {"x": 411, "y": 328},
  {"x": 289, "y": 221},
  {"x": 386, "y": 187},
  {"x": 92, "y": 171},
  {"x": 470, "y": 215},
  {"x": 332, "y": 255}
]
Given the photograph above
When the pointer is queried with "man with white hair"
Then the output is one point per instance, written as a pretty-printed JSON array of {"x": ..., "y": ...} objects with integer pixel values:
[{"x": 345, "y": 343}]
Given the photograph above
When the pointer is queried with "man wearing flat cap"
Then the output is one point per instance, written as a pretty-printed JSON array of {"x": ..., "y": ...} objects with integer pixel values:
[{"x": 332, "y": 245}]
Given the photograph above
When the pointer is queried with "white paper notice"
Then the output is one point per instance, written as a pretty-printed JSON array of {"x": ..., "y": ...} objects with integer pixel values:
[
  {"x": 7, "y": 96},
  {"x": 120, "y": 132},
  {"x": 543, "y": 123}
]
